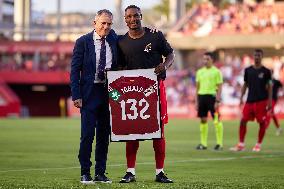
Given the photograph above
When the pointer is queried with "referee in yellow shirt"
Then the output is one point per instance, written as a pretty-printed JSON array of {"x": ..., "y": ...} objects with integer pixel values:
[{"x": 208, "y": 92}]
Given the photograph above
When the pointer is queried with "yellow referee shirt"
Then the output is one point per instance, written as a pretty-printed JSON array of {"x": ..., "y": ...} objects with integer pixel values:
[{"x": 208, "y": 79}]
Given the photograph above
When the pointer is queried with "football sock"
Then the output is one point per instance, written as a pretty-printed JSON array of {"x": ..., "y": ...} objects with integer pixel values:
[
  {"x": 159, "y": 146},
  {"x": 216, "y": 118},
  {"x": 131, "y": 151},
  {"x": 261, "y": 132},
  {"x": 159, "y": 170},
  {"x": 276, "y": 122},
  {"x": 131, "y": 170},
  {"x": 219, "y": 133},
  {"x": 242, "y": 131},
  {"x": 203, "y": 133}
]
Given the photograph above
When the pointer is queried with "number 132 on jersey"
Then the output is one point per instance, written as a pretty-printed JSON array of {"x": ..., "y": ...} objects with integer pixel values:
[{"x": 134, "y": 105}]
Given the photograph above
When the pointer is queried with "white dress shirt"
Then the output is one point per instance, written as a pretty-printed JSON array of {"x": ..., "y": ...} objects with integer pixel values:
[{"x": 98, "y": 43}]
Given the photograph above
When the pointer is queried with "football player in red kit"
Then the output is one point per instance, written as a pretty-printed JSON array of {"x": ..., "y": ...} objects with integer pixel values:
[
  {"x": 141, "y": 49},
  {"x": 276, "y": 86},
  {"x": 257, "y": 79}
]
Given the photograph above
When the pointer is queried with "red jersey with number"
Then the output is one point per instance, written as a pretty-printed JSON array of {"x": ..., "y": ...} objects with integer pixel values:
[{"x": 134, "y": 105}]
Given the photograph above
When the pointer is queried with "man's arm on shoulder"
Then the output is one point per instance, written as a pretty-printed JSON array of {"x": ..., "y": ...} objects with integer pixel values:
[{"x": 113, "y": 34}]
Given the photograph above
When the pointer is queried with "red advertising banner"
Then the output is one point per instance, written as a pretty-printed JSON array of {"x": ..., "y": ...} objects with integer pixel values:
[
  {"x": 36, "y": 46},
  {"x": 134, "y": 105}
]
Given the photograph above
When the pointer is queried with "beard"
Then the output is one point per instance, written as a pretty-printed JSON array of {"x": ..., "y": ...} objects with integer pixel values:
[{"x": 134, "y": 25}]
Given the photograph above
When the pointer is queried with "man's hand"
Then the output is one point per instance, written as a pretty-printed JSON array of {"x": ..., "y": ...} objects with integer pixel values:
[
  {"x": 216, "y": 105},
  {"x": 78, "y": 103},
  {"x": 241, "y": 101},
  {"x": 160, "y": 69}
]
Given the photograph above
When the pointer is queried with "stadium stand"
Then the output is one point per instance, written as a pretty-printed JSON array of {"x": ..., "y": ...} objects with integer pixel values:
[
  {"x": 234, "y": 26},
  {"x": 236, "y": 18},
  {"x": 38, "y": 73}
]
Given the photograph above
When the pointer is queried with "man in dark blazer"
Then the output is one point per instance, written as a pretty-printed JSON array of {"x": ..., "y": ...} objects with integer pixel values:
[{"x": 94, "y": 53}]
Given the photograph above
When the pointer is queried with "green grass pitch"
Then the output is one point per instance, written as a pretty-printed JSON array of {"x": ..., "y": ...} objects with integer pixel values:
[{"x": 42, "y": 153}]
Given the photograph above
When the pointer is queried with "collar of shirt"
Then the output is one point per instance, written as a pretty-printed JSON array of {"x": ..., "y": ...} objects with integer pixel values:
[{"x": 96, "y": 36}]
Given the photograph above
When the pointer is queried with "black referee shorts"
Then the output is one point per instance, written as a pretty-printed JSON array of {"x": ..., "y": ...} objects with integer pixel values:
[{"x": 206, "y": 103}]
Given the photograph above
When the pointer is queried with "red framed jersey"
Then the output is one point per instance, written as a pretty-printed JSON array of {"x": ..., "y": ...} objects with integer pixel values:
[{"x": 134, "y": 105}]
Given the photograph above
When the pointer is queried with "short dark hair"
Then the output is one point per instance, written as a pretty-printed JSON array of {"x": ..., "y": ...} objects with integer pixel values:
[
  {"x": 132, "y": 7},
  {"x": 103, "y": 11},
  {"x": 209, "y": 54},
  {"x": 259, "y": 51}
]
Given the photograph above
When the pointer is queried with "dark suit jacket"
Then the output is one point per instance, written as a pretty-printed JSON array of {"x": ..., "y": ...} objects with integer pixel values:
[{"x": 83, "y": 68}]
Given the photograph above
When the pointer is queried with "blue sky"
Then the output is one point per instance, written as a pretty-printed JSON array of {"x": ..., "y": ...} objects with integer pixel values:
[{"x": 88, "y": 5}]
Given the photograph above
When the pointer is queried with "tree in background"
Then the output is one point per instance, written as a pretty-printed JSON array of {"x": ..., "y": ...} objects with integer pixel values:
[{"x": 163, "y": 8}]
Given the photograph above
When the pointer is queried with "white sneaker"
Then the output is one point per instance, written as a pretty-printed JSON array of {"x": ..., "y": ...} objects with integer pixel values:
[
  {"x": 279, "y": 131},
  {"x": 256, "y": 148},
  {"x": 238, "y": 148}
]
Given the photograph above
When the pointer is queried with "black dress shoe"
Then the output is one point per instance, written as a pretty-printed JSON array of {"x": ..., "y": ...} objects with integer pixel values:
[
  {"x": 102, "y": 179},
  {"x": 129, "y": 177},
  {"x": 201, "y": 147},
  {"x": 218, "y": 147},
  {"x": 86, "y": 179},
  {"x": 161, "y": 177}
]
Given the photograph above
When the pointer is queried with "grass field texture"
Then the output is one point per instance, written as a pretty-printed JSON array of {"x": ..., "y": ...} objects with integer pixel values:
[{"x": 42, "y": 153}]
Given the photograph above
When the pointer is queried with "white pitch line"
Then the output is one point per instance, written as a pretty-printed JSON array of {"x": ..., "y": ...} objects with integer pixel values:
[{"x": 151, "y": 163}]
